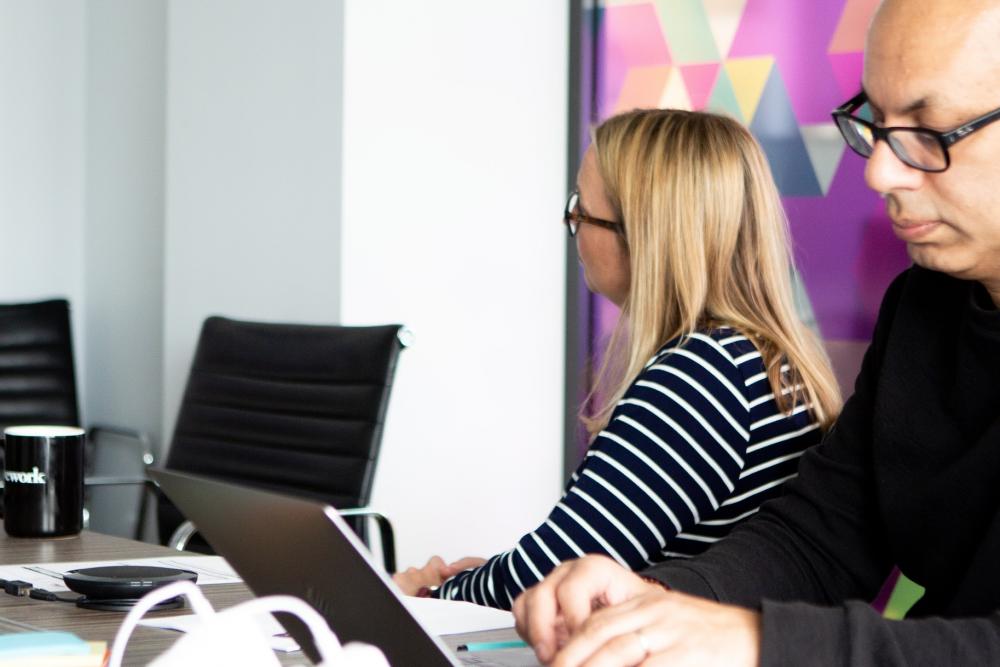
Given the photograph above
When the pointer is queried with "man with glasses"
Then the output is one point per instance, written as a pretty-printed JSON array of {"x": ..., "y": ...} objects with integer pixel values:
[{"x": 910, "y": 473}]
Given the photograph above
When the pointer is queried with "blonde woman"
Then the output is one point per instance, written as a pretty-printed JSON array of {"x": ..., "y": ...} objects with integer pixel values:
[{"x": 713, "y": 387}]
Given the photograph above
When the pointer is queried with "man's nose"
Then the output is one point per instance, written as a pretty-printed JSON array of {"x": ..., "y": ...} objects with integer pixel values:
[{"x": 885, "y": 172}]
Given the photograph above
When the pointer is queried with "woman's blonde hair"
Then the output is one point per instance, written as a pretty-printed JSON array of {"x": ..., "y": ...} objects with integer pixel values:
[{"x": 708, "y": 246}]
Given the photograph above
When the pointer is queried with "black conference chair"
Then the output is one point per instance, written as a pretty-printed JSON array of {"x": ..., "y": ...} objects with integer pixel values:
[
  {"x": 292, "y": 408},
  {"x": 37, "y": 380},
  {"x": 38, "y": 383}
]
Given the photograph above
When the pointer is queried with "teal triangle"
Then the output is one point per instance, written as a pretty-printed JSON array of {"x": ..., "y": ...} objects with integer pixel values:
[
  {"x": 776, "y": 128},
  {"x": 825, "y": 147},
  {"x": 686, "y": 27},
  {"x": 723, "y": 99}
]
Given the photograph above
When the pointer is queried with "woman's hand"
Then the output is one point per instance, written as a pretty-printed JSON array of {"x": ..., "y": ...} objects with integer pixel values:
[
  {"x": 434, "y": 573},
  {"x": 596, "y": 613}
]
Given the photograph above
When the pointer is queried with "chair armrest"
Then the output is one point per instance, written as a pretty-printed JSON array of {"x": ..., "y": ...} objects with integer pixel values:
[
  {"x": 387, "y": 536},
  {"x": 149, "y": 488},
  {"x": 144, "y": 454},
  {"x": 145, "y": 442},
  {"x": 111, "y": 480},
  {"x": 180, "y": 537}
]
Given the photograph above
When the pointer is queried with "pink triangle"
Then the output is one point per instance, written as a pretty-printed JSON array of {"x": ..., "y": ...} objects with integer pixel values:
[
  {"x": 700, "y": 79},
  {"x": 630, "y": 36},
  {"x": 642, "y": 88},
  {"x": 852, "y": 27},
  {"x": 847, "y": 71}
]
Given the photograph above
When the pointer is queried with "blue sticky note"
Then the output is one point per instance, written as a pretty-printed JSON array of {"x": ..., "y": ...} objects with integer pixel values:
[{"x": 26, "y": 644}]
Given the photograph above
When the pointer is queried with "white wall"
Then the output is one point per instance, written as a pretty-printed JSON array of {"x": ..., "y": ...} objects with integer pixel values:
[
  {"x": 123, "y": 240},
  {"x": 123, "y": 265},
  {"x": 163, "y": 161},
  {"x": 454, "y": 176},
  {"x": 42, "y": 79},
  {"x": 253, "y": 168}
]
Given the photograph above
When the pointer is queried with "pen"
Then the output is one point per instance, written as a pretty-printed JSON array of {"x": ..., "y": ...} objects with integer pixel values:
[{"x": 491, "y": 646}]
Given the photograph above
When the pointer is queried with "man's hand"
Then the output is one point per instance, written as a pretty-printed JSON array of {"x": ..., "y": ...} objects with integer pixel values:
[
  {"x": 434, "y": 573},
  {"x": 596, "y": 613},
  {"x": 549, "y": 612}
]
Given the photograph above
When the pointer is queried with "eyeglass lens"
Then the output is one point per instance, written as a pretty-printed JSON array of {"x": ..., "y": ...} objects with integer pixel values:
[
  {"x": 571, "y": 206},
  {"x": 916, "y": 147}
]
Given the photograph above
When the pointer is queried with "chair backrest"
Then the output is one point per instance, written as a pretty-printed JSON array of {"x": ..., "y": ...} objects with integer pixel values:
[
  {"x": 37, "y": 380},
  {"x": 293, "y": 408}
]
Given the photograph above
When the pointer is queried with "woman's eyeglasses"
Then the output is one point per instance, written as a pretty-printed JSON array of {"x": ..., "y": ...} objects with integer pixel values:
[
  {"x": 918, "y": 147},
  {"x": 572, "y": 217}
]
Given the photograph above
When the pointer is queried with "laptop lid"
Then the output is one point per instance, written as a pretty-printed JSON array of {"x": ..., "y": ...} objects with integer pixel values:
[{"x": 290, "y": 546}]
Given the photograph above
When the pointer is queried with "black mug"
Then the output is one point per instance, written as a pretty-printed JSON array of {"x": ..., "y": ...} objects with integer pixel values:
[{"x": 43, "y": 480}]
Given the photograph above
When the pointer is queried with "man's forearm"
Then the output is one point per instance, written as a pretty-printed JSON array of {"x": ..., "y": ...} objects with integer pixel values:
[{"x": 794, "y": 633}]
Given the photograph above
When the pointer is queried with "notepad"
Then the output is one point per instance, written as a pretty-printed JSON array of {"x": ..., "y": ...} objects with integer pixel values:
[{"x": 449, "y": 617}]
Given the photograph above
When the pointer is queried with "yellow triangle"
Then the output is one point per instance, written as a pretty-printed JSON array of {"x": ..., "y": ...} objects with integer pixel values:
[
  {"x": 724, "y": 19},
  {"x": 749, "y": 76},
  {"x": 675, "y": 94}
]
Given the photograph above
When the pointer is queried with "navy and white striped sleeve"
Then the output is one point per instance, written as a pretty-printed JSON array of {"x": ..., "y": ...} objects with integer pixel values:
[{"x": 671, "y": 454}]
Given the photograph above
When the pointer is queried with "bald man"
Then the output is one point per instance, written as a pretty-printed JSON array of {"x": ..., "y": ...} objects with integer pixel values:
[{"x": 910, "y": 473}]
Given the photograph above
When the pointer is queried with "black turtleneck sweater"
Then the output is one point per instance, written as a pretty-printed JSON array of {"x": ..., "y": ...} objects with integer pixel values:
[{"x": 908, "y": 475}]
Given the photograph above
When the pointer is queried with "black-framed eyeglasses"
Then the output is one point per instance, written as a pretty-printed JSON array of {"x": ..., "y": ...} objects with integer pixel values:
[
  {"x": 573, "y": 216},
  {"x": 918, "y": 147}
]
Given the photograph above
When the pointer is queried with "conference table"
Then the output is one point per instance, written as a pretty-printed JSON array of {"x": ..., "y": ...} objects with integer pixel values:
[{"x": 146, "y": 643}]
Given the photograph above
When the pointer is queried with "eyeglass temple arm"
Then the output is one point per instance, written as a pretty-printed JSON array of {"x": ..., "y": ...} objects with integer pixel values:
[{"x": 852, "y": 104}]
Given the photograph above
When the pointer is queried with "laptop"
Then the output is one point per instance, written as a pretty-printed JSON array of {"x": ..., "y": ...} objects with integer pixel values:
[{"x": 290, "y": 546}]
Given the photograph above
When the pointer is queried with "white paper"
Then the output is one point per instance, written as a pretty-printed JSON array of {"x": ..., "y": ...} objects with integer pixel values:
[
  {"x": 210, "y": 570},
  {"x": 450, "y": 617},
  {"x": 280, "y": 641}
]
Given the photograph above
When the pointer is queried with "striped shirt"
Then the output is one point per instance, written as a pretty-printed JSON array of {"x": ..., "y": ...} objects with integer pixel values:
[{"x": 696, "y": 444}]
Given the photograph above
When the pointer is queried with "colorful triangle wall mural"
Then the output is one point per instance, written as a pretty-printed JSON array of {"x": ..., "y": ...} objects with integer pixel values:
[{"x": 780, "y": 66}]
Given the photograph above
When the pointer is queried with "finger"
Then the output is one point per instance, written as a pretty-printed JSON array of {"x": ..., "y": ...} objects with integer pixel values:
[
  {"x": 418, "y": 578},
  {"x": 408, "y": 581},
  {"x": 585, "y": 588},
  {"x": 605, "y": 625},
  {"x": 517, "y": 609},
  {"x": 602, "y": 583},
  {"x": 534, "y": 619},
  {"x": 627, "y": 649},
  {"x": 464, "y": 564},
  {"x": 460, "y": 565},
  {"x": 536, "y": 614}
]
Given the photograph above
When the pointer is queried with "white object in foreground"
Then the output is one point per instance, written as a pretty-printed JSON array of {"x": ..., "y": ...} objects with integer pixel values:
[
  {"x": 232, "y": 637},
  {"x": 440, "y": 617}
]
